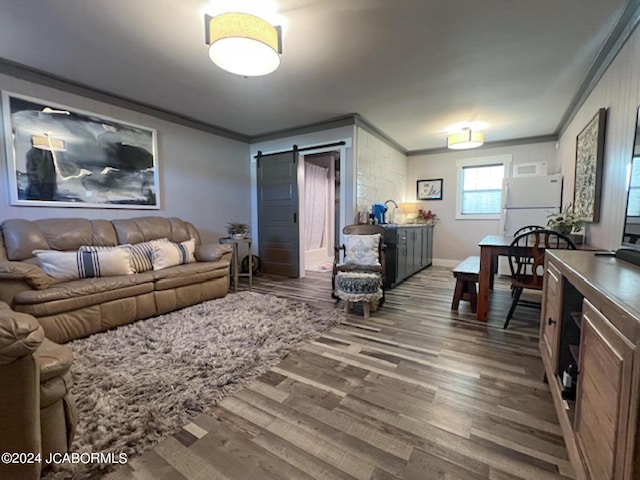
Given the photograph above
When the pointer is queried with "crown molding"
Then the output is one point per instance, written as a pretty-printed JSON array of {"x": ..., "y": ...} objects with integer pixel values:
[
  {"x": 40, "y": 77},
  {"x": 336, "y": 122},
  {"x": 365, "y": 124},
  {"x": 618, "y": 36},
  {"x": 354, "y": 119}
]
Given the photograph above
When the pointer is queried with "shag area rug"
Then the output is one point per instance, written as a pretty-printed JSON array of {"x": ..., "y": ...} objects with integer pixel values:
[{"x": 142, "y": 382}]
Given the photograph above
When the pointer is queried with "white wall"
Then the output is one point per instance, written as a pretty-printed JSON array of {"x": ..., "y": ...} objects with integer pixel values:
[
  {"x": 619, "y": 91},
  {"x": 454, "y": 239},
  {"x": 203, "y": 178},
  {"x": 381, "y": 172}
]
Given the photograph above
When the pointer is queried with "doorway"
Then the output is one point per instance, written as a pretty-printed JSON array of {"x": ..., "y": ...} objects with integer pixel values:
[
  {"x": 320, "y": 210},
  {"x": 280, "y": 191}
]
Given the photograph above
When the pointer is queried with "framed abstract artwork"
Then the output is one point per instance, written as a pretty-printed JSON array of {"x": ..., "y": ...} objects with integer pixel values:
[
  {"x": 589, "y": 160},
  {"x": 429, "y": 189},
  {"x": 63, "y": 157}
]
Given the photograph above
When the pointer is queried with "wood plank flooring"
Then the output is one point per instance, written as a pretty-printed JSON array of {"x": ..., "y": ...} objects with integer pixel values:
[{"x": 415, "y": 392}]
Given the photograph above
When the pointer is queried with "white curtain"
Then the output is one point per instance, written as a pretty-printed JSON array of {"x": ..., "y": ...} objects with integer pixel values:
[{"x": 315, "y": 204}]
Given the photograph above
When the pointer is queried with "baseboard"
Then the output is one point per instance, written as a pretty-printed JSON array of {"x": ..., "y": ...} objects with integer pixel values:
[{"x": 444, "y": 262}]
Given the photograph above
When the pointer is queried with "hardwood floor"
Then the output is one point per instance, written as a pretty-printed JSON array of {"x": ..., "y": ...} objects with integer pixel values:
[{"x": 415, "y": 392}]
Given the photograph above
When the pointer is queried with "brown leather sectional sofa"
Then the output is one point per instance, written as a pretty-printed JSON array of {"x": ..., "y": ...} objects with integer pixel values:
[{"x": 78, "y": 308}]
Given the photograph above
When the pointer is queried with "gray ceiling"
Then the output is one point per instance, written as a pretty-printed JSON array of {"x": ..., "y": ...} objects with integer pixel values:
[{"x": 410, "y": 67}]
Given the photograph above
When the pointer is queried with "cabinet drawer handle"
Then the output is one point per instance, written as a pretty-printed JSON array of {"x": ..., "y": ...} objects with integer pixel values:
[{"x": 550, "y": 321}]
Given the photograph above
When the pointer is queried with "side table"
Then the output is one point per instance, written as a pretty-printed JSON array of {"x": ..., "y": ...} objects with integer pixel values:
[{"x": 235, "y": 242}]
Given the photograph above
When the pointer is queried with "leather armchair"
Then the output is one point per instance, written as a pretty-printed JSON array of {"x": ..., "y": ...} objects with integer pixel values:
[{"x": 37, "y": 412}]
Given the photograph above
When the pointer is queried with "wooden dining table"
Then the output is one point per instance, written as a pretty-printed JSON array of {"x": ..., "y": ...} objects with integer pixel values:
[{"x": 491, "y": 247}]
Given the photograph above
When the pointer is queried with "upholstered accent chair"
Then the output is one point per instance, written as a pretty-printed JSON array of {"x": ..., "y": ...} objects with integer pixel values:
[
  {"x": 37, "y": 411},
  {"x": 359, "y": 275}
]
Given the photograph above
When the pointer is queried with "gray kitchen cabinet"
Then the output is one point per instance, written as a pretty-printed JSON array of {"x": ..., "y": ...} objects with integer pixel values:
[{"x": 409, "y": 250}]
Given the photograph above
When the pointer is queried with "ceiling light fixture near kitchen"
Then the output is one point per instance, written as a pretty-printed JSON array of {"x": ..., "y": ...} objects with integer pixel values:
[
  {"x": 243, "y": 44},
  {"x": 465, "y": 139}
]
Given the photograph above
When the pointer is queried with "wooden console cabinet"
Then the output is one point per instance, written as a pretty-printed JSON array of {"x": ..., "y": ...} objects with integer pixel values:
[
  {"x": 409, "y": 250},
  {"x": 591, "y": 316}
]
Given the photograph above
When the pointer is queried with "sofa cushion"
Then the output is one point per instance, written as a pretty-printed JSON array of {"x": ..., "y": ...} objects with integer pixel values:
[
  {"x": 170, "y": 254},
  {"x": 65, "y": 233},
  {"x": 84, "y": 287},
  {"x": 212, "y": 252},
  {"x": 142, "y": 229},
  {"x": 54, "y": 360},
  {"x": 138, "y": 230},
  {"x": 189, "y": 274},
  {"x": 86, "y": 264},
  {"x": 20, "y": 334},
  {"x": 103, "y": 233},
  {"x": 78, "y": 294},
  {"x": 21, "y": 238},
  {"x": 27, "y": 272},
  {"x": 55, "y": 389}
]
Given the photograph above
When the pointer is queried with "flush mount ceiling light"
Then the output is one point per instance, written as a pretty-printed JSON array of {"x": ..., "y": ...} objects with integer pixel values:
[
  {"x": 243, "y": 44},
  {"x": 465, "y": 139}
]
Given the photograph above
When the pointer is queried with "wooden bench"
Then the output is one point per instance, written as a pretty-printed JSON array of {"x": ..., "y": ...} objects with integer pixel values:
[{"x": 466, "y": 274}]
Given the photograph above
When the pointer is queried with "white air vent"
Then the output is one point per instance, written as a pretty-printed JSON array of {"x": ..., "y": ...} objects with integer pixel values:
[{"x": 529, "y": 169}]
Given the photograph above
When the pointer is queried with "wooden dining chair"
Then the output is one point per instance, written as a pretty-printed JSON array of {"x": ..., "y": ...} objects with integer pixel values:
[
  {"x": 520, "y": 231},
  {"x": 526, "y": 262},
  {"x": 528, "y": 228}
]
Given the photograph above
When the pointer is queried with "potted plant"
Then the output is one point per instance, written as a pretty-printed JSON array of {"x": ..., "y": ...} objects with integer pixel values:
[
  {"x": 238, "y": 230},
  {"x": 567, "y": 221},
  {"x": 426, "y": 216}
]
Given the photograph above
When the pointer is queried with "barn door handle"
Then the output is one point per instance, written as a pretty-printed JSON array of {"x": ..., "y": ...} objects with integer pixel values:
[
  {"x": 551, "y": 321},
  {"x": 295, "y": 217}
]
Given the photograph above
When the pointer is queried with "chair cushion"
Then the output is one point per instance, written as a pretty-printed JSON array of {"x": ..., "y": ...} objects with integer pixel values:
[
  {"x": 362, "y": 249},
  {"x": 358, "y": 286},
  {"x": 358, "y": 282}
]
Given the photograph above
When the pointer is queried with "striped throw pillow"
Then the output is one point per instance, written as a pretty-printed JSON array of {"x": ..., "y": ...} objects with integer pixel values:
[
  {"x": 169, "y": 254},
  {"x": 74, "y": 265},
  {"x": 141, "y": 253}
]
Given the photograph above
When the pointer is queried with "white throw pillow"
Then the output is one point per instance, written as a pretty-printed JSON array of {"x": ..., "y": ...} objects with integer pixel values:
[
  {"x": 362, "y": 249},
  {"x": 141, "y": 253},
  {"x": 84, "y": 264},
  {"x": 169, "y": 254}
]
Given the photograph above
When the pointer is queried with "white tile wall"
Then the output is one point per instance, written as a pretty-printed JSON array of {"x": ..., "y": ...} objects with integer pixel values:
[{"x": 381, "y": 171}]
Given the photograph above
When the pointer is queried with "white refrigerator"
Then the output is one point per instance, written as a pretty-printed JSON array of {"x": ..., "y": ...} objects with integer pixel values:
[{"x": 529, "y": 201}]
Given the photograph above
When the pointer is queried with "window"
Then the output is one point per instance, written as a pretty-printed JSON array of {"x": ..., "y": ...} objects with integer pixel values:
[
  {"x": 480, "y": 187},
  {"x": 633, "y": 208}
]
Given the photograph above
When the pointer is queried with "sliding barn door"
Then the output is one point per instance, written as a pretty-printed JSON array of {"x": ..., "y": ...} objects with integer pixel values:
[{"x": 278, "y": 233}]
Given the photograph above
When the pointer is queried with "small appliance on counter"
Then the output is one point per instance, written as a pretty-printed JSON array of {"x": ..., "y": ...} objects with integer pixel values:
[{"x": 377, "y": 211}]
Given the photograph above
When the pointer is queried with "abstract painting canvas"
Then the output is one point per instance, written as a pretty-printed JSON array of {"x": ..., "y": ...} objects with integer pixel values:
[
  {"x": 589, "y": 159},
  {"x": 62, "y": 157}
]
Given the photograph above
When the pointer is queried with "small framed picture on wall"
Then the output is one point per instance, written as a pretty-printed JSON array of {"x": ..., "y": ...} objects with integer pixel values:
[{"x": 429, "y": 189}]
